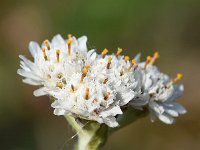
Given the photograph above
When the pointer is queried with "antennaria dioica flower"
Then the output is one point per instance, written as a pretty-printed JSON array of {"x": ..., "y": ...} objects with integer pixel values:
[{"x": 98, "y": 93}]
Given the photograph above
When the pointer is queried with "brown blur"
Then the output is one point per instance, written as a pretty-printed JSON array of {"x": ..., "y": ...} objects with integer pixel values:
[{"x": 171, "y": 27}]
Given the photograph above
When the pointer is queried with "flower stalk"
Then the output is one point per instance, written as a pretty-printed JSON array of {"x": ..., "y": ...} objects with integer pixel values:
[{"x": 91, "y": 136}]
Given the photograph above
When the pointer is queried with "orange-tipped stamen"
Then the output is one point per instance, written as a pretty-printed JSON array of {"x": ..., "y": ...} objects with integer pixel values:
[
  {"x": 178, "y": 77},
  {"x": 154, "y": 58},
  {"x": 148, "y": 60},
  {"x": 46, "y": 42},
  {"x": 133, "y": 62},
  {"x": 69, "y": 36},
  {"x": 109, "y": 62},
  {"x": 104, "y": 52},
  {"x": 87, "y": 66},
  {"x": 44, "y": 54},
  {"x": 119, "y": 51},
  {"x": 69, "y": 43},
  {"x": 87, "y": 93},
  {"x": 58, "y": 55},
  {"x": 85, "y": 71},
  {"x": 126, "y": 58}
]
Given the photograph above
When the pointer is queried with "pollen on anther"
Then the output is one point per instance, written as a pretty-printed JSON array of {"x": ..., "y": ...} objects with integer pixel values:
[
  {"x": 58, "y": 55},
  {"x": 84, "y": 73},
  {"x": 87, "y": 66},
  {"x": 104, "y": 52},
  {"x": 44, "y": 54},
  {"x": 109, "y": 62},
  {"x": 133, "y": 62},
  {"x": 69, "y": 42},
  {"x": 155, "y": 56},
  {"x": 69, "y": 36},
  {"x": 119, "y": 51},
  {"x": 126, "y": 58},
  {"x": 60, "y": 85},
  {"x": 179, "y": 76},
  {"x": 46, "y": 42},
  {"x": 148, "y": 60}
]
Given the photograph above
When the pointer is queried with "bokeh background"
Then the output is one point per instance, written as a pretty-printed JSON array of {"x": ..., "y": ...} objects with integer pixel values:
[{"x": 171, "y": 27}]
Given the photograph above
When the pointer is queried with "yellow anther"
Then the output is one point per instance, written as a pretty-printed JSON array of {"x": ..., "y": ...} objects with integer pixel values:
[
  {"x": 126, "y": 58},
  {"x": 109, "y": 62},
  {"x": 44, "y": 54},
  {"x": 85, "y": 70},
  {"x": 148, "y": 60},
  {"x": 104, "y": 52},
  {"x": 72, "y": 89},
  {"x": 46, "y": 42},
  {"x": 58, "y": 55},
  {"x": 84, "y": 73},
  {"x": 133, "y": 62},
  {"x": 60, "y": 85},
  {"x": 69, "y": 36},
  {"x": 87, "y": 66},
  {"x": 119, "y": 50},
  {"x": 155, "y": 56},
  {"x": 179, "y": 76},
  {"x": 87, "y": 93},
  {"x": 69, "y": 43}
]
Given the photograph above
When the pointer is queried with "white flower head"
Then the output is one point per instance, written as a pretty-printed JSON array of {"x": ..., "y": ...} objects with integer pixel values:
[
  {"x": 95, "y": 86},
  {"x": 159, "y": 92}
]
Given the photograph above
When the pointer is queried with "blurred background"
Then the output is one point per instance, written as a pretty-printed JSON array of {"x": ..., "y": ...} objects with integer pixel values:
[{"x": 171, "y": 27}]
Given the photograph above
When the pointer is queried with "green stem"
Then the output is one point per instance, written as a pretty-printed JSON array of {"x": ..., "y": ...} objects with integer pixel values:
[{"x": 91, "y": 136}]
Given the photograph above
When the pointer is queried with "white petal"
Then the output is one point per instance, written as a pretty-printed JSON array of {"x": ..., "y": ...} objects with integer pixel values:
[
  {"x": 172, "y": 112},
  {"x": 59, "y": 42},
  {"x": 59, "y": 112},
  {"x": 126, "y": 96},
  {"x": 179, "y": 108},
  {"x": 82, "y": 46},
  {"x": 157, "y": 108},
  {"x": 111, "y": 122},
  {"x": 111, "y": 112},
  {"x": 137, "y": 57},
  {"x": 28, "y": 74},
  {"x": 34, "y": 48},
  {"x": 166, "y": 119},
  {"x": 31, "y": 81},
  {"x": 138, "y": 102},
  {"x": 40, "y": 92}
]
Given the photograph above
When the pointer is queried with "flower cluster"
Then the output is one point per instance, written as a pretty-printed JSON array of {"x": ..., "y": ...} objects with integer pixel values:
[{"x": 95, "y": 86}]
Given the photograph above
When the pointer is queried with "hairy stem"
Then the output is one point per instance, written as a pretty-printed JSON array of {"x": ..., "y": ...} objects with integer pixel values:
[{"x": 91, "y": 136}]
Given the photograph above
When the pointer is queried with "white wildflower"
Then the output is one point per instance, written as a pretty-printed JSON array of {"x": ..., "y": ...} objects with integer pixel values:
[{"x": 95, "y": 86}]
